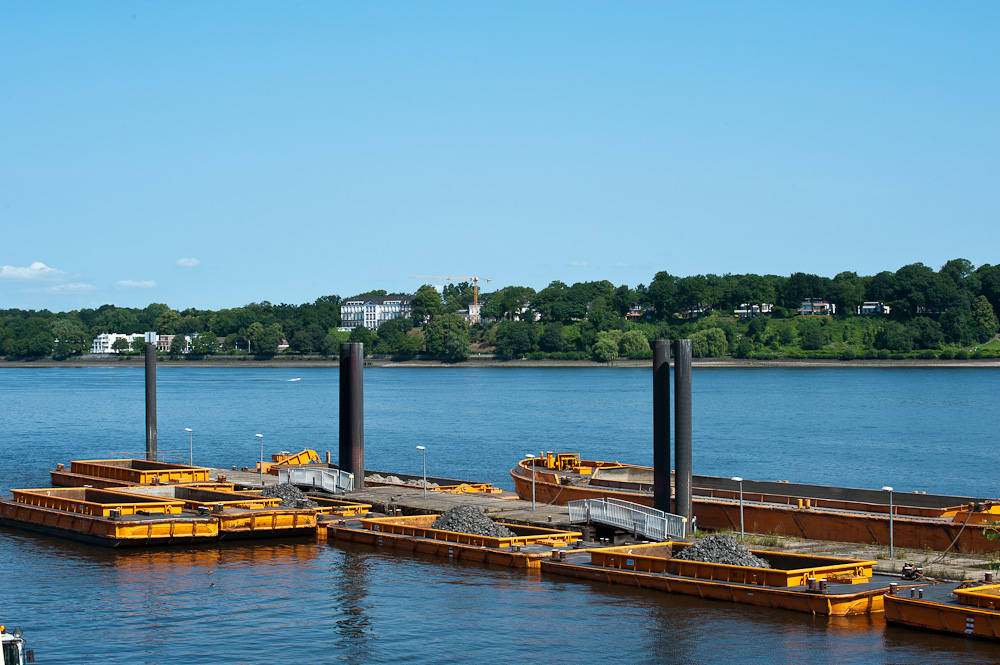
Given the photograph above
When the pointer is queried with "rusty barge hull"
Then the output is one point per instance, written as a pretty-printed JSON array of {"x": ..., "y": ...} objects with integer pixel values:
[{"x": 830, "y": 518}]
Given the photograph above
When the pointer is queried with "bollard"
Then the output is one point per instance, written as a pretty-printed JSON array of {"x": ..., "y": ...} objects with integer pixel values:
[{"x": 893, "y": 588}]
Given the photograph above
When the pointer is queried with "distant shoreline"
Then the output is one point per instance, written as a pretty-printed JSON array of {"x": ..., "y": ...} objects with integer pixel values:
[{"x": 284, "y": 362}]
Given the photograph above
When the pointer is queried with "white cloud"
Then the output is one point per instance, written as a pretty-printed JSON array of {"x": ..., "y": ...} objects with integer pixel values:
[
  {"x": 578, "y": 264},
  {"x": 188, "y": 263},
  {"x": 73, "y": 287},
  {"x": 132, "y": 284},
  {"x": 37, "y": 271}
]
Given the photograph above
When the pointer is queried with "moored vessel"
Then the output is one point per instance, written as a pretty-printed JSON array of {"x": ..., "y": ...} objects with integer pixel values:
[{"x": 814, "y": 512}]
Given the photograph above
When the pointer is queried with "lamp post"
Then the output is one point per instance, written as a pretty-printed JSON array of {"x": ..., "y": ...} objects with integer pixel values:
[
  {"x": 261, "y": 467},
  {"x": 532, "y": 457},
  {"x": 889, "y": 490},
  {"x": 191, "y": 442},
  {"x": 740, "y": 481},
  {"x": 423, "y": 454}
]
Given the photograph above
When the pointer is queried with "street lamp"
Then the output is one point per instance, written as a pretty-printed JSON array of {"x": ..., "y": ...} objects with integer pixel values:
[
  {"x": 191, "y": 457},
  {"x": 423, "y": 454},
  {"x": 532, "y": 457},
  {"x": 889, "y": 490},
  {"x": 740, "y": 481},
  {"x": 261, "y": 467}
]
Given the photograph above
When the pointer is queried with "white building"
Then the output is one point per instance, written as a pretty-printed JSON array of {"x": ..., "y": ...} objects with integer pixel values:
[
  {"x": 817, "y": 307},
  {"x": 746, "y": 310},
  {"x": 372, "y": 311},
  {"x": 104, "y": 342}
]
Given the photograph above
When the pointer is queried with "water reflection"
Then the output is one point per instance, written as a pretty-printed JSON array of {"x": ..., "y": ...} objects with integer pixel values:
[{"x": 351, "y": 574}]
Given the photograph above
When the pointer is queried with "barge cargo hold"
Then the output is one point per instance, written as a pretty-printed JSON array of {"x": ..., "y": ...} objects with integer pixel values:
[
  {"x": 107, "y": 518},
  {"x": 812, "y": 512},
  {"x": 414, "y": 534},
  {"x": 972, "y": 609},
  {"x": 825, "y": 586}
]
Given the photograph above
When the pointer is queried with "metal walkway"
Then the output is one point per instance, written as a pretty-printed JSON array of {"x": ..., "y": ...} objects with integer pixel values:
[
  {"x": 649, "y": 522},
  {"x": 331, "y": 480}
]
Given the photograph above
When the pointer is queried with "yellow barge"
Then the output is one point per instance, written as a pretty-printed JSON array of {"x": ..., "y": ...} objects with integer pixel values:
[
  {"x": 414, "y": 534},
  {"x": 106, "y": 517},
  {"x": 972, "y": 609},
  {"x": 825, "y": 586}
]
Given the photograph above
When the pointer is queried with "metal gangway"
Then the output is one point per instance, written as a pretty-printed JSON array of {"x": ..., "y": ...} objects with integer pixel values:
[
  {"x": 649, "y": 522},
  {"x": 331, "y": 480}
]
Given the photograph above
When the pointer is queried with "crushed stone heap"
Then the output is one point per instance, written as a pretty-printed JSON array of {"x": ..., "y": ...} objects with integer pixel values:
[
  {"x": 721, "y": 548},
  {"x": 290, "y": 495},
  {"x": 469, "y": 519}
]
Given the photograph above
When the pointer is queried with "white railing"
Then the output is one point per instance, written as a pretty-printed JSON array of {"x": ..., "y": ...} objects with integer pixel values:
[
  {"x": 330, "y": 480},
  {"x": 649, "y": 522}
]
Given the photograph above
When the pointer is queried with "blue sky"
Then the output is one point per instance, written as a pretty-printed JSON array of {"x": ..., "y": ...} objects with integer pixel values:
[{"x": 213, "y": 154}]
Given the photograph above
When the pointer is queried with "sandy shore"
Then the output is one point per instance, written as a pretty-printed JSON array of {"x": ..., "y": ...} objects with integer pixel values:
[{"x": 229, "y": 361}]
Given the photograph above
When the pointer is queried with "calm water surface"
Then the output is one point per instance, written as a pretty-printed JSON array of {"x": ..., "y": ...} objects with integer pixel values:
[{"x": 299, "y": 601}]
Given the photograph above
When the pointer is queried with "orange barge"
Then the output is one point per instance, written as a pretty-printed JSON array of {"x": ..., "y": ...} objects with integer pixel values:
[
  {"x": 414, "y": 534},
  {"x": 813, "y": 512},
  {"x": 972, "y": 609},
  {"x": 825, "y": 586}
]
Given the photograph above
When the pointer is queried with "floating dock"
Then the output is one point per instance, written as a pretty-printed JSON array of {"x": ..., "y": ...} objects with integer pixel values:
[
  {"x": 972, "y": 609},
  {"x": 136, "y": 503},
  {"x": 106, "y": 517},
  {"x": 525, "y": 549},
  {"x": 825, "y": 586}
]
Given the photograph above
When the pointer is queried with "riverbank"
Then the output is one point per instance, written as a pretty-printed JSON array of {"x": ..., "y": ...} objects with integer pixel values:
[{"x": 489, "y": 361}]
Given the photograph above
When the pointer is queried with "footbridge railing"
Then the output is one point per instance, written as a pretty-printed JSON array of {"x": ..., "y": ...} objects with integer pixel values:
[
  {"x": 649, "y": 522},
  {"x": 330, "y": 480}
]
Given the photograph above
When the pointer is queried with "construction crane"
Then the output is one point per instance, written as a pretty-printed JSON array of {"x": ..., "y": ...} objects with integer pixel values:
[{"x": 475, "y": 289}]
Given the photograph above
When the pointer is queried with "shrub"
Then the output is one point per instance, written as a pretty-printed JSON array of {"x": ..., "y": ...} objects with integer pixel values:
[
  {"x": 883, "y": 354},
  {"x": 848, "y": 354},
  {"x": 947, "y": 354},
  {"x": 961, "y": 354},
  {"x": 927, "y": 354}
]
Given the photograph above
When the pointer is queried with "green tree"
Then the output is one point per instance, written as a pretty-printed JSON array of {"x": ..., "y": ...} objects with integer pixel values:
[
  {"x": 606, "y": 346},
  {"x": 983, "y": 319},
  {"x": 622, "y": 300},
  {"x": 437, "y": 329},
  {"x": 661, "y": 294},
  {"x": 362, "y": 335},
  {"x": 204, "y": 343},
  {"x": 633, "y": 344},
  {"x": 552, "y": 339},
  {"x": 516, "y": 338},
  {"x": 456, "y": 347},
  {"x": 894, "y": 336},
  {"x": 178, "y": 344},
  {"x": 709, "y": 343},
  {"x": 121, "y": 345},
  {"x": 426, "y": 303}
]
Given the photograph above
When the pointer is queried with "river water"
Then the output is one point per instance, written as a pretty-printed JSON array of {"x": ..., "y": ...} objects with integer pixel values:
[{"x": 299, "y": 601}]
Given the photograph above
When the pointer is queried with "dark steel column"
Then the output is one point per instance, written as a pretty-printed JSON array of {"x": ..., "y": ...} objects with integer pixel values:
[
  {"x": 661, "y": 425},
  {"x": 682, "y": 427},
  {"x": 352, "y": 412},
  {"x": 151, "y": 396}
]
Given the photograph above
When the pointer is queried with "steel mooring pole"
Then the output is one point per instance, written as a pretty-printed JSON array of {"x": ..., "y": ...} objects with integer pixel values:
[
  {"x": 661, "y": 425},
  {"x": 682, "y": 427},
  {"x": 151, "y": 396},
  {"x": 352, "y": 412}
]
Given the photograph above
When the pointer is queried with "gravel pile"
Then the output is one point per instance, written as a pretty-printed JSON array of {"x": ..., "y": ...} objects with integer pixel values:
[
  {"x": 469, "y": 519},
  {"x": 290, "y": 495},
  {"x": 396, "y": 480},
  {"x": 721, "y": 548}
]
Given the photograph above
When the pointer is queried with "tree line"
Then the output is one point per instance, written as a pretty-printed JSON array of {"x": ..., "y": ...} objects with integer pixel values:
[{"x": 940, "y": 312}]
